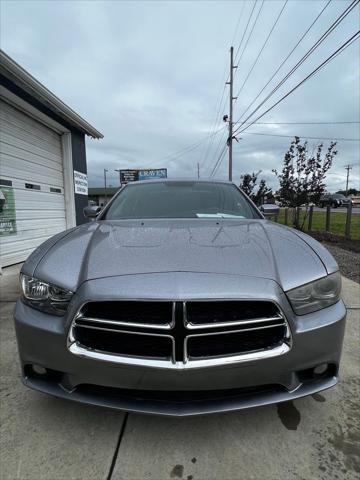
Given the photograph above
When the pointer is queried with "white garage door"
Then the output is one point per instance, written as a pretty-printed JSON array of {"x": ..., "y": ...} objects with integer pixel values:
[{"x": 32, "y": 201}]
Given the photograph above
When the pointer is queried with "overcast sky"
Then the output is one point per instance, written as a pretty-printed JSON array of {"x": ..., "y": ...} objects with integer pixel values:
[{"x": 149, "y": 76}]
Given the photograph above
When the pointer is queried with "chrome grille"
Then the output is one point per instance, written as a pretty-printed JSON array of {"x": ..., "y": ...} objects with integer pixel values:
[{"x": 198, "y": 333}]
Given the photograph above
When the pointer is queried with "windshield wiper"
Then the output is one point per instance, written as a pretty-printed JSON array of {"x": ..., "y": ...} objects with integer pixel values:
[{"x": 218, "y": 215}]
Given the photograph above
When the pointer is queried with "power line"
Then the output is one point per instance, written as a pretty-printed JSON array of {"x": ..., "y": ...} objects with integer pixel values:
[
  {"x": 237, "y": 51},
  {"x": 320, "y": 40},
  {"x": 251, "y": 31},
  {"x": 231, "y": 84},
  {"x": 238, "y": 22},
  {"x": 231, "y": 75},
  {"x": 220, "y": 145},
  {"x": 262, "y": 48},
  {"x": 192, "y": 146},
  {"x": 222, "y": 99},
  {"x": 221, "y": 156},
  {"x": 218, "y": 162},
  {"x": 221, "y": 159},
  {"x": 303, "y": 123},
  {"x": 332, "y": 27},
  {"x": 317, "y": 69},
  {"x": 217, "y": 114},
  {"x": 247, "y": 24},
  {"x": 304, "y": 136},
  {"x": 286, "y": 58}
]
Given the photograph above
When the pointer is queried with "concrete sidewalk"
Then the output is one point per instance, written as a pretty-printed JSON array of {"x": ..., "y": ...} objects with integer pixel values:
[{"x": 317, "y": 437}]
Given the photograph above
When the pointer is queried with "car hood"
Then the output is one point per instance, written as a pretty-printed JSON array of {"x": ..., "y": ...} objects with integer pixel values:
[{"x": 255, "y": 248}]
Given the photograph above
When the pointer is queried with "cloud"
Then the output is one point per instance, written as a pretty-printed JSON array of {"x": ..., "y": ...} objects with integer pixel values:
[{"x": 148, "y": 75}]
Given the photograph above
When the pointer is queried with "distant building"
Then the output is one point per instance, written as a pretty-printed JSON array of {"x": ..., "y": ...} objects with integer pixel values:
[{"x": 97, "y": 195}]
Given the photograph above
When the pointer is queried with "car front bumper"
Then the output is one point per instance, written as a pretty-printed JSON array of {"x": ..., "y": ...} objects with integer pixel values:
[{"x": 316, "y": 340}]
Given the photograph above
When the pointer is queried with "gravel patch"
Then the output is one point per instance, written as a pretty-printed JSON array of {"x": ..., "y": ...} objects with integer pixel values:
[{"x": 349, "y": 262}]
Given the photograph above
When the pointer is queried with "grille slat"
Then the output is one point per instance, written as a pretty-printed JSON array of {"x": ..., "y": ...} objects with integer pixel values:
[
  {"x": 195, "y": 330},
  {"x": 125, "y": 343},
  {"x": 118, "y": 325},
  {"x": 235, "y": 323},
  {"x": 201, "y": 314},
  {"x": 235, "y": 342},
  {"x": 152, "y": 314}
]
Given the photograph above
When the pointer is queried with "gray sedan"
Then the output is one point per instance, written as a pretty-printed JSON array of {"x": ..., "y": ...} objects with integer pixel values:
[{"x": 180, "y": 298}]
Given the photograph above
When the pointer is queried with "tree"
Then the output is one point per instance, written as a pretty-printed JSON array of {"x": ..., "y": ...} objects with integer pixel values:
[
  {"x": 351, "y": 191},
  {"x": 248, "y": 184},
  {"x": 302, "y": 176}
]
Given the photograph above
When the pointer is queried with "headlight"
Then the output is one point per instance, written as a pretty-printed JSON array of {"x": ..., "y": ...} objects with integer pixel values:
[
  {"x": 316, "y": 295},
  {"x": 44, "y": 296}
]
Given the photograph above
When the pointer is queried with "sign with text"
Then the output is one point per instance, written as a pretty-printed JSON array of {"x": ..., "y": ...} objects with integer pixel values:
[
  {"x": 127, "y": 176},
  {"x": 7, "y": 211},
  {"x": 152, "y": 173},
  {"x": 80, "y": 183}
]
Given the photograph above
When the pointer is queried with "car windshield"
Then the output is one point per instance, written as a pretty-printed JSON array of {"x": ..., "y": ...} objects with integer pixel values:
[
  {"x": 339, "y": 195},
  {"x": 180, "y": 200}
]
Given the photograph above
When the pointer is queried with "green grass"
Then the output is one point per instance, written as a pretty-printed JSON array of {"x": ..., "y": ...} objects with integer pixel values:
[{"x": 337, "y": 222}]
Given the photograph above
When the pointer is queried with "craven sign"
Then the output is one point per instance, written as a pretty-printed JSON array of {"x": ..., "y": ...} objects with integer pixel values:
[{"x": 127, "y": 176}]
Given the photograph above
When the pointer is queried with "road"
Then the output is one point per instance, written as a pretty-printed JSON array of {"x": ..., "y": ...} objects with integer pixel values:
[
  {"x": 355, "y": 210},
  {"x": 44, "y": 438}
]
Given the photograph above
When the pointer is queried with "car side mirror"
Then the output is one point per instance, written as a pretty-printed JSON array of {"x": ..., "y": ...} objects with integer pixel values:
[
  {"x": 91, "y": 211},
  {"x": 269, "y": 209}
]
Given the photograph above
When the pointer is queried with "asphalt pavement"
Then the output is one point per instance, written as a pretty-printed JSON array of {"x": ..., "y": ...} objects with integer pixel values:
[{"x": 45, "y": 438}]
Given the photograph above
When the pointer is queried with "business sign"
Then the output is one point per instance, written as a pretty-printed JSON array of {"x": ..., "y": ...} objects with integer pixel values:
[
  {"x": 152, "y": 173},
  {"x": 7, "y": 211},
  {"x": 127, "y": 176},
  {"x": 80, "y": 183}
]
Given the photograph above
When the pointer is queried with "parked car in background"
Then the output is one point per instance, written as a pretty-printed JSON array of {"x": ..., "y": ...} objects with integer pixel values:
[
  {"x": 334, "y": 200},
  {"x": 355, "y": 199}
]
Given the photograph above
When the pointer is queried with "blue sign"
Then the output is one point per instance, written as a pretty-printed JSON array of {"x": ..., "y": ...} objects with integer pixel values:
[{"x": 152, "y": 173}]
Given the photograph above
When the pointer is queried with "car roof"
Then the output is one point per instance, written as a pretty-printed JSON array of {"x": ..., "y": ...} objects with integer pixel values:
[{"x": 177, "y": 180}]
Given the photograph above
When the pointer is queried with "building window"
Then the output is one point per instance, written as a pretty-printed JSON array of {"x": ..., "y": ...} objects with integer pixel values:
[
  {"x": 5, "y": 183},
  {"x": 32, "y": 186},
  {"x": 55, "y": 190}
]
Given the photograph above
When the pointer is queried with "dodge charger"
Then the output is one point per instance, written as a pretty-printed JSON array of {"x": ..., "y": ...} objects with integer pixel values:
[{"x": 180, "y": 298}]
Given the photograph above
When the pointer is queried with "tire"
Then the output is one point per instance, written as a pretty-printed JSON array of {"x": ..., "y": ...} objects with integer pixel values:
[{"x": 334, "y": 205}]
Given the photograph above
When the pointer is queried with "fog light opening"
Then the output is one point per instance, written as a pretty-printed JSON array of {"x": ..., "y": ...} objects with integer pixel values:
[
  {"x": 33, "y": 371},
  {"x": 39, "y": 369},
  {"x": 321, "y": 369}
]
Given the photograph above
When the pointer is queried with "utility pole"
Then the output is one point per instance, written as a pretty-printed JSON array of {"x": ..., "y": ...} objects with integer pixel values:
[
  {"x": 348, "y": 168},
  {"x": 231, "y": 98},
  {"x": 105, "y": 172},
  {"x": 198, "y": 169},
  {"x": 119, "y": 175}
]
